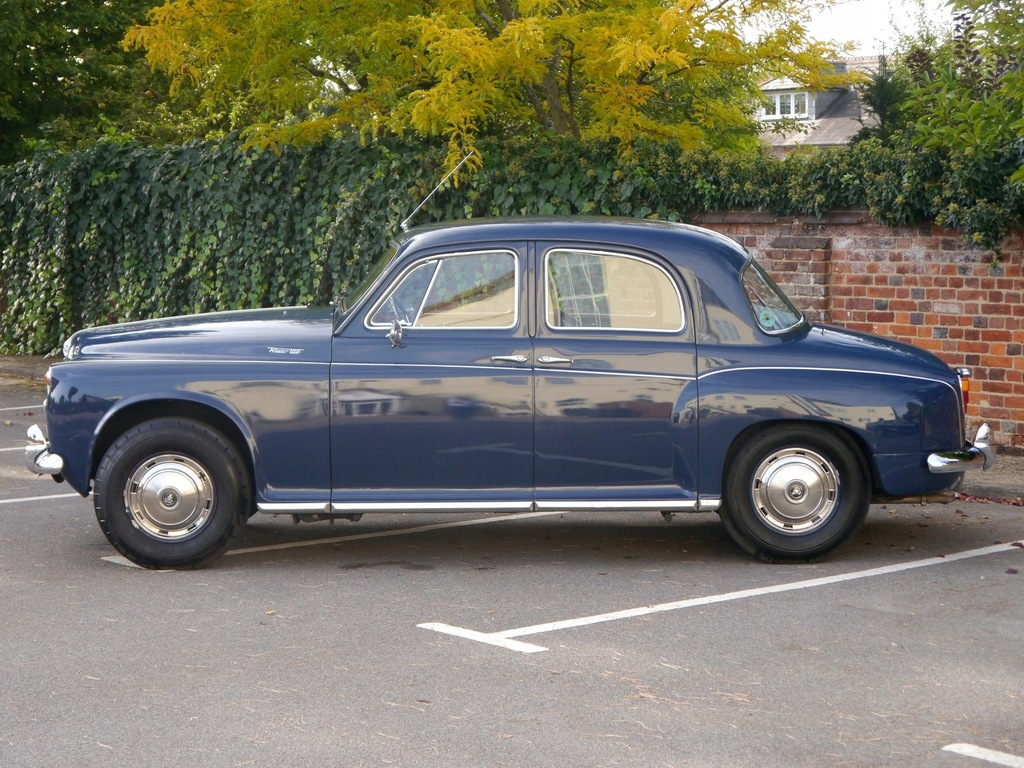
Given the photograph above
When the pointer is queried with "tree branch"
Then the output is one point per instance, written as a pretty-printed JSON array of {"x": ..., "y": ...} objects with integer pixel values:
[{"x": 330, "y": 76}]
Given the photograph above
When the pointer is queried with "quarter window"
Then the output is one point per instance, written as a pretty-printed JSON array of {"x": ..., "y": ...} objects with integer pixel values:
[
  {"x": 470, "y": 290},
  {"x": 772, "y": 310},
  {"x": 587, "y": 289}
]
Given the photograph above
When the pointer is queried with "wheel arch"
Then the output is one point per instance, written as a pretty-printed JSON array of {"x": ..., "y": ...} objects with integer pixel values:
[
  {"x": 844, "y": 433},
  {"x": 131, "y": 414}
]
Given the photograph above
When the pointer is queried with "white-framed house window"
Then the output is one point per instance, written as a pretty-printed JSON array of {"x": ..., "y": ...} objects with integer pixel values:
[{"x": 785, "y": 104}]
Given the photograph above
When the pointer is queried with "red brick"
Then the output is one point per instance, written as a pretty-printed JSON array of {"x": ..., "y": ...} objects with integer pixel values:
[{"x": 917, "y": 283}]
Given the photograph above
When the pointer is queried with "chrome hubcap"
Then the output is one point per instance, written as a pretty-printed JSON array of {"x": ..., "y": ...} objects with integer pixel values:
[
  {"x": 795, "y": 490},
  {"x": 170, "y": 497}
]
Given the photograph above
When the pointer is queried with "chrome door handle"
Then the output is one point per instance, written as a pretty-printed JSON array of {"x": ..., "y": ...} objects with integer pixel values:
[
  {"x": 509, "y": 359},
  {"x": 549, "y": 360}
]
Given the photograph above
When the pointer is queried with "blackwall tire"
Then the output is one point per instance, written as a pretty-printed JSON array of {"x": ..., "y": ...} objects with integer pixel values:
[
  {"x": 795, "y": 493},
  {"x": 172, "y": 493}
]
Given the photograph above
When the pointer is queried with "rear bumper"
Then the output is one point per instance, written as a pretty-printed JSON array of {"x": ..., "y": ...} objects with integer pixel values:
[
  {"x": 976, "y": 455},
  {"x": 38, "y": 457}
]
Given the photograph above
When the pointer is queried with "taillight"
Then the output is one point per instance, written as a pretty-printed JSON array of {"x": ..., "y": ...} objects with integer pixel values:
[{"x": 965, "y": 385}]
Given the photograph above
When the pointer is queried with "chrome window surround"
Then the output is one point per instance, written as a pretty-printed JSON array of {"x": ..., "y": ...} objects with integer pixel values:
[
  {"x": 397, "y": 281},
  {"x": 753, "y": 268},
  {"x": 604, "y": 329}
]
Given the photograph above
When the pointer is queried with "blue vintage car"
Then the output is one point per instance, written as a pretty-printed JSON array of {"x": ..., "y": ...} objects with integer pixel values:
[{"x": 507, "y": 366}]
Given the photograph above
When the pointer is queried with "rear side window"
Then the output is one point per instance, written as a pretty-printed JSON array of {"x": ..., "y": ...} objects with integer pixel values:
[
  {"x": 591, "y": 289},
  {"x": 467, "y": 290}
]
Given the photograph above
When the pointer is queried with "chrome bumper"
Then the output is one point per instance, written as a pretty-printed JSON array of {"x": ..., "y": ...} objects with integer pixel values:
[
  {"x": 37, "y": 454},
  {"x": 978, "y": 455}
]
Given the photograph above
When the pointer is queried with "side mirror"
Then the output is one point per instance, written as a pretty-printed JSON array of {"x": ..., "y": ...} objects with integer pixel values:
[{"x": 395, "y": 334}]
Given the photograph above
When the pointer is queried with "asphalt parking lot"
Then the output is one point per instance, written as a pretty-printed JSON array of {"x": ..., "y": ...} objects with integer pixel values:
[{"x": 531, "y": 640}]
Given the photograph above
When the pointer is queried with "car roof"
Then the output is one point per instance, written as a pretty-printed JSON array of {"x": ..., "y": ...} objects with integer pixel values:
[{"x": 681, "y": 243}]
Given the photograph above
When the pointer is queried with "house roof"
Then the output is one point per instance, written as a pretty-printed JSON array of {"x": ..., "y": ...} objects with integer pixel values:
[{"x": 834, "y": 127}]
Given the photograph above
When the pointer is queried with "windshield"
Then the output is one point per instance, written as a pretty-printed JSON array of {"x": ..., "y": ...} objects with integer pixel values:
[
  {"x": 772, "y": 310},
  {"x": 349, "y": 297}
]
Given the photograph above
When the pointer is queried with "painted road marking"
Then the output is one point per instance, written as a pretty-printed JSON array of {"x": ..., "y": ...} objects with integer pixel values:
[
  {"x": 25, "y": 499},
  {"x": 34, "y": 407},
  {"x": 118, "y": 560},
  {"x": 121, "y": 560},
  {"x": 124, "y": 561},
  {"x": 491, "y": 638},
  {"x": 5, "y": 450},
  {"x": 988, "y": 755},
  {"x": 495, "y": 638},
  {"x": 396, "y": 532}
]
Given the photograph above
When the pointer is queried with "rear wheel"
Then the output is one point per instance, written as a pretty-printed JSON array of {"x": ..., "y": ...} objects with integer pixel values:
[
  {"x": 171, "y": 493},
  {"x": 795, "y": 493}
]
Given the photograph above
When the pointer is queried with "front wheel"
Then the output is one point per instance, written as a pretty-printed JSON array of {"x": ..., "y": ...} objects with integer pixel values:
[
  {"x": 795, "y": 493},
  {"x": 171, "y": 493}
]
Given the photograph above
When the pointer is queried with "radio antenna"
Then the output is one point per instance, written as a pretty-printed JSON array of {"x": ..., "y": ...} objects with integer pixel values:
[{"x": 405, "y": 222}]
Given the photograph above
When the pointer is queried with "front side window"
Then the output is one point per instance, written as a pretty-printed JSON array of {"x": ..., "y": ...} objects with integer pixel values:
[
  {"x": 772, "y": 310},
  {"x": 468, "y": 290},
  {"x": 587, "y": 289}
]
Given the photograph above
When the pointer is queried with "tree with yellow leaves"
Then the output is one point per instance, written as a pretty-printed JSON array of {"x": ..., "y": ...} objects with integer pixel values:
[{"x": 298, "y": 70}]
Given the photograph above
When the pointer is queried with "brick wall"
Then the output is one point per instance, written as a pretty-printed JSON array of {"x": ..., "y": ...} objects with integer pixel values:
[{"x": 917, "y": 284}]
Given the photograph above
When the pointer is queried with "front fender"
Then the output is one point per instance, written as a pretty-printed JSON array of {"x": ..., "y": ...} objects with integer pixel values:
[{"x": 279, "y": 412}]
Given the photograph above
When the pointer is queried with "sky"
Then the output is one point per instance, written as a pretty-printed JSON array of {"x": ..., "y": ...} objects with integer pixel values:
[{"x": 872, "y": 24}]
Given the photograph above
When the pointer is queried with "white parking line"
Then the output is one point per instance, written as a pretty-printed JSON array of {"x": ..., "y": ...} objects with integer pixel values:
[
  {"x": 118, "y": 560},
  {"x": 988, "y": 755},
  {"x": 501, "y": 638},
  {"x": 6, "y": 450},
  {"x": 396, "y": 532},
  {"x": 121, "y": 560},
  {"x": 39, "y": 498},
  {"x": 35, "y": 407}
]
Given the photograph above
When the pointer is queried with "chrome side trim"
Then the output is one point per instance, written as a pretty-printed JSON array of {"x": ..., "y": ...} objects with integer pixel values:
[
  {"x": 979, "y": 455},
  {"x": 820, "y": 369},
  {"x": 709, "y": 504},
  {"x": 433, "y": 506},
  {"x": 506, "y": 369},
  {"x": 406, "y": 366},
  {"x": 599, "y": 505},
  {"x": 278, "y": 360},
  {"x": 293, "y": 508},
  {"x": 627, "y": 374},
  {"x": 360, "y": 507}
]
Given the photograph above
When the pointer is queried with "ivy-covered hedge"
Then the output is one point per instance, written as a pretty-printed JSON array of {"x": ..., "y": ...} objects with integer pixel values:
[{"x": 120, "y": 232}]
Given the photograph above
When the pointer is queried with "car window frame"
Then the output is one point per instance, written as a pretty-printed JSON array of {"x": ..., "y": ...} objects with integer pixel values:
[
  {"x": 388, "y": 289},
  {"x": 642, "y": 258},
  {"x": 753, "y": 267}
]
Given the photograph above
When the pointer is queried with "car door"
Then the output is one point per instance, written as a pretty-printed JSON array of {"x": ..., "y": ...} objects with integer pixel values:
[
  {"x": 615, "y": 364},
  {"x": 431, "y": 389}
]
